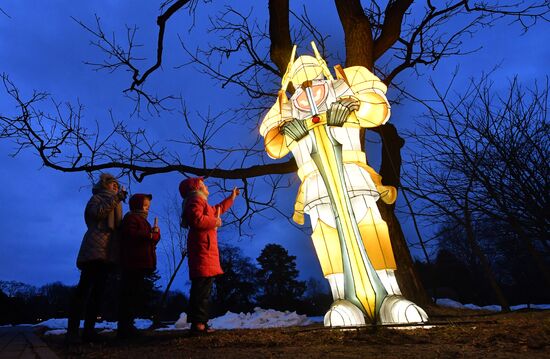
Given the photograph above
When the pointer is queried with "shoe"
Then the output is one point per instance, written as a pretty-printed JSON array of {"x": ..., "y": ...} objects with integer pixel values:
[{"x": 201, "y": 329}]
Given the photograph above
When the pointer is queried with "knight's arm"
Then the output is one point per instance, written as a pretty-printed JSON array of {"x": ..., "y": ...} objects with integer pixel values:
[
  {"x": 373, "y": 111},
  {"x": 280, "y": 131},
  {"x": 270, "y": 129},
  {"x": 374, "y": 108}
]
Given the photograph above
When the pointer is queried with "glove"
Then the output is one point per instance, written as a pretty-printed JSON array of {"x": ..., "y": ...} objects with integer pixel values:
[
  {"x": 295, "y": 129},
  {"x": 235, "y": 192},
  {"x": 121, "y": 196},
  {"x": 340, "y": 110},
  {"x": 155, "y": 235}
]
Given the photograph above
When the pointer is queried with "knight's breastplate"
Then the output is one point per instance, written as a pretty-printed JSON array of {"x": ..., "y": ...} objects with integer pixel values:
[
  {"x": 324, "y": 94},
  {"x": 358, "y": 180}
]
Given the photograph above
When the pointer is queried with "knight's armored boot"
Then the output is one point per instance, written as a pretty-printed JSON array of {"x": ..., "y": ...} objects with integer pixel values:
[
  {"x": 395, "y": 308},
  {"x": 342, "y": 313}
]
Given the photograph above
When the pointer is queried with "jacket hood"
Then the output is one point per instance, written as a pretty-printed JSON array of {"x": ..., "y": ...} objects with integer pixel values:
[
  {"x": 189, "y": 185},
  {"x": 136, "y": 201},
  {"x": 103, "y": 182}
]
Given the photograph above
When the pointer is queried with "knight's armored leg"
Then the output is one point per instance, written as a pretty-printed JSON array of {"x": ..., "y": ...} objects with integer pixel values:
[
  {"x": 395, "y": 308},
  {"x": 327, "y": 246},
  {"x": 362, "y": 287}
]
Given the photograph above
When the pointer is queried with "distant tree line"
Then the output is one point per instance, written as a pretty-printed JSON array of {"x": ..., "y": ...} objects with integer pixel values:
[
  {"x": 273, "y": 284},
  {"x": 24, "y": 303},
  {"x": 450, "y": 275}
]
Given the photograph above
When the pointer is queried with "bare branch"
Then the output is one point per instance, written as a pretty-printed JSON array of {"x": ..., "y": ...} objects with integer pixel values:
[
  {"x": 485, "y": 157},
  {"x": 440, "y": 31},
  {"x": 161, "y": 22},
  {"x": 130, "y": 151},
  {"x": 5, "y": 13},
  {"x": 391, "y": 28}
]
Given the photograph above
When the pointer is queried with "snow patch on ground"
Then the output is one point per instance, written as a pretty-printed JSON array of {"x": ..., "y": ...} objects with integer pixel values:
[
  {"x": 143, "y": 323},
  {"x": 320, "y": 319},
  {"x": 57, "y": 323},
  {"x": 531, "y": 306},
  {"x": 168, "y": 328},
  {"x": 61, "y": 323},
  {"x": 260, "y": 318},
  {"x": 56, "y": 332},
  {"x": 446, "y": 302},
  {"x": 181, "y": 323}
]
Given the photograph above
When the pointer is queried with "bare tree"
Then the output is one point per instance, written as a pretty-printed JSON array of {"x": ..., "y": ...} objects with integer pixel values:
[
  {"x": 386, "y": 37},
  {"x": 486, "y": 156}
]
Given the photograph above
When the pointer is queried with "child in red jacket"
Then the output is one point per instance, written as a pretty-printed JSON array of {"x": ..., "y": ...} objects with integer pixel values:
[
  {"x": 139, "y": 259},
  {"x": 203, "y": 221}
]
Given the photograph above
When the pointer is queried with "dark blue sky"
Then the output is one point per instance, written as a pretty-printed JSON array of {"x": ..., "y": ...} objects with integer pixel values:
[{"x": 42, "y": 48}]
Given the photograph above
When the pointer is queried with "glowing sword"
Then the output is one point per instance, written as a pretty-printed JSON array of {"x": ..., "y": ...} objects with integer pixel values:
[{"x": 362, "y": 286}]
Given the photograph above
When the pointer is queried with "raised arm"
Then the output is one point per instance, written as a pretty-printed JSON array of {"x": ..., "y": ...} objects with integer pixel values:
[{"x": 99, "y": 209}]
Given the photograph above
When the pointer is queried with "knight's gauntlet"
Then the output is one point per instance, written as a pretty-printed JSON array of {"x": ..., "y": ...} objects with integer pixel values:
[
  {"x": 340, "y": 110},
  {"x": 295, "y": 129}
]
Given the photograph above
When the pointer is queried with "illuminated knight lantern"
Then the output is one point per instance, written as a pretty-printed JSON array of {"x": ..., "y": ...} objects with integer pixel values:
[{"x": 321, "y": 125}]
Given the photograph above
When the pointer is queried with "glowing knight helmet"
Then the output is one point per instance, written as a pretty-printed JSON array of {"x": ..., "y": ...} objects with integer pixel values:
[{"x": 305, "y": 68}]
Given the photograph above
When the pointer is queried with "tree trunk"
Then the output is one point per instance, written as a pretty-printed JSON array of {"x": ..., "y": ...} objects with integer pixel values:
[
  {"x": 539, "y": 261},
  {"x": 489, "y": 274},
  {"x": 279, "y": 33},
  {"x": 390, "y": 170},
  {"x": 358, "y": 34}
]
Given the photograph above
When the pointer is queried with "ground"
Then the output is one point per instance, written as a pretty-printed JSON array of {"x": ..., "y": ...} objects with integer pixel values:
[{"x": 460, "y": 334}]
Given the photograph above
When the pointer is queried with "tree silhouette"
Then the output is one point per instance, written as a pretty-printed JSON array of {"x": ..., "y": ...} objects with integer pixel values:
[
  {"x": 234, "y": 290},
  {"x": 316, "y": 298},
  {"x": 278, "y": 279},
  {"x": 6, "y": 310}
]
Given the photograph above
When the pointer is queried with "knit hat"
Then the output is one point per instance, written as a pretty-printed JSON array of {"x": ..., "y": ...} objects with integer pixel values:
[
  {"x": 189, "y": 185},
  {"x": 104, "y": 180},
  {"x": 136, "y": 201}
]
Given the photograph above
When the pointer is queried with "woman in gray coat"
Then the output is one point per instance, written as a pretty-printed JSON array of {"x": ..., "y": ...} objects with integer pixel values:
[{"x": 98, "y": 253}]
